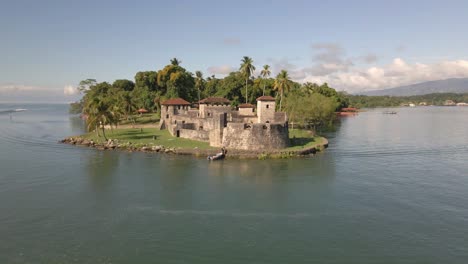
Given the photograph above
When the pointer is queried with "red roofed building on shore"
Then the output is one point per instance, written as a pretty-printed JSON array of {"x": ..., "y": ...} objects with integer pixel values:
[
  {"x": 175, "y": 101},
  {"x": 216, "y": 122}
]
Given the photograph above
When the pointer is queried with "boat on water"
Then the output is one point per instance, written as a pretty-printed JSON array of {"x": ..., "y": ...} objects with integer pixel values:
[
  {"x": 389, "y": 112},
  {"x": 12, "y": 111},
  {"x": 219, "y": 156}
]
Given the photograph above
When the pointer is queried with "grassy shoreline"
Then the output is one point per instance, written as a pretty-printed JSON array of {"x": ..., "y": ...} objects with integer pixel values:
[{"x": 303, "y": 143}]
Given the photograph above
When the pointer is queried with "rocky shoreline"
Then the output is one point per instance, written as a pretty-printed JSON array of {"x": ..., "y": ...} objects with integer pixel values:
[{"x": 114, "y": 144}]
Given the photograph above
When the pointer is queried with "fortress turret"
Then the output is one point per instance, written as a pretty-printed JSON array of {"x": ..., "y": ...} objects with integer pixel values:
[{"x": 266, "y": 109}]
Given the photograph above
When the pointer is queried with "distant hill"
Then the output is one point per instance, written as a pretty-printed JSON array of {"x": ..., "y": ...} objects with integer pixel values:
[{"x": 459, "y": 85}]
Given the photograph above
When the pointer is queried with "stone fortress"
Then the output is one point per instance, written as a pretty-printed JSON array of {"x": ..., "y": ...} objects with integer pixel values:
[{"x": 216, "y": 122}]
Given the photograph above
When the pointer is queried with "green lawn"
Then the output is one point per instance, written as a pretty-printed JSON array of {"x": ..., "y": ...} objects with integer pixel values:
[
  {"x": 301, "y": 139},
  {"x": 145, "y": 136}
]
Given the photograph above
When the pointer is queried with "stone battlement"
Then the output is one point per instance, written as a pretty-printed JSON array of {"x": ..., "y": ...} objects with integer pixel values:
[{"x": 216, "y": 122}]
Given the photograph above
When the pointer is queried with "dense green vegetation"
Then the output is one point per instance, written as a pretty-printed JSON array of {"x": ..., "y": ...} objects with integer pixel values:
[
  {"x": 363, "y": 101},
  {"x": 111, "y": 104}
]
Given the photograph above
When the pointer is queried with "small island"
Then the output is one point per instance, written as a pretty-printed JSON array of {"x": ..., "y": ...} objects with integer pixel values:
[
  {"x": 175, "y": 111},
  {"x": 246, "y": 131}
]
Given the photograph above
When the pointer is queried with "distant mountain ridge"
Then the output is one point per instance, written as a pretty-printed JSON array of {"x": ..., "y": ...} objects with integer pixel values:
[{"x": 455, "y": 85}]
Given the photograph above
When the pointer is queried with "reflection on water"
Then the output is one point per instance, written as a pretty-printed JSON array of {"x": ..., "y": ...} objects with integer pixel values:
[
  {"x": 76, "y": 123},
  {"x": 101, "y": 167}
]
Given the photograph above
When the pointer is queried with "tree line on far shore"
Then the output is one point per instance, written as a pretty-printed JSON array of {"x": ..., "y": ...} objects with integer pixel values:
[
  {"x": 438, "y": 99},
  {"x": 306, "y": 104}
]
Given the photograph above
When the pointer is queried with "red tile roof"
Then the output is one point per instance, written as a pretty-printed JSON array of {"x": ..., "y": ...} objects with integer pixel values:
[
  {"x": 246, "y": 106},
  {"x": 215, "y": 100},
  {"x": 175, "y": 101},
  {"x": 266, "y": 98}
]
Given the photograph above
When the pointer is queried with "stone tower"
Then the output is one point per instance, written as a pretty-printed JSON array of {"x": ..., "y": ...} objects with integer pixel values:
[{"x": 266, "y": 109}]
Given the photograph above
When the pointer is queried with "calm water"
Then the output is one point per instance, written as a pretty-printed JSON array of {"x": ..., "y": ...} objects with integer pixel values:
[{"x": 390, "y": 189}]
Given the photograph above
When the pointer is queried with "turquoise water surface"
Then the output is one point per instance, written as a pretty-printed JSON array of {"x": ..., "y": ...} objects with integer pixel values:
[{"x": 390, "y": 189}]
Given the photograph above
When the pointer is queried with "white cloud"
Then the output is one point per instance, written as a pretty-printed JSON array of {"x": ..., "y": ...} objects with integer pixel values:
[
  {"x": 11, "y": 88},
  {"x": 70, "y": 90},
  {"x": 397, "y": 73},
  {"x": 223, "y": 69}
]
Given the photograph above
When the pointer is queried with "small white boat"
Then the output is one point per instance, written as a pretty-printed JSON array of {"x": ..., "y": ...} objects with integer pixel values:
[{"x": 218, "y": 156}]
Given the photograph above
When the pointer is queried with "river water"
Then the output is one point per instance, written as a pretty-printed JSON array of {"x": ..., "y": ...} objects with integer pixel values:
[{"x": 389, "y": 189}]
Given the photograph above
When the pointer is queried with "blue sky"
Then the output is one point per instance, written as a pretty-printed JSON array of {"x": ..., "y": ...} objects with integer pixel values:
[{"x": 353, "y": 45}]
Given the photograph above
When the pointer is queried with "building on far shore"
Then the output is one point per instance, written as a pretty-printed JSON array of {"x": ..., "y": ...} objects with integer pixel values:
[
  {"x": 449, "y": 103},
  {"x": 215, "y": 121}
]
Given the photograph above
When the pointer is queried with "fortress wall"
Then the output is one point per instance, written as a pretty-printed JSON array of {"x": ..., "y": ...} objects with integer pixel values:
[
  {"x": 247, "y": 112},
  {"x": 194, "y": 134},
  {"x": 192, "y": 113},
  {"x": 244, "y": 119},
  {"x": 207, "y": 111},
  {"x": 280, "y": 117},
  {"x": 216, "y": 133},
  {"x": 255, "y": 136}
]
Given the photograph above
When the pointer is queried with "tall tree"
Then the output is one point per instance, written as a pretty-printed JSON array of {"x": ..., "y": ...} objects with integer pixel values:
[
  {"x": 100, "y": 112},
  {"x": 265, "y": 73},
  {"x": 86, "y": 84},
  {"x": 247, "y": 69},
  {"x": 282, "y": 84},
  {"x": 148, "y": 79},
  {"x": 175, "y": 61},
  {"x": 123, "y": 85},
  {"x": 126, "y": 102},
  {"x": 199, "y": 82}
]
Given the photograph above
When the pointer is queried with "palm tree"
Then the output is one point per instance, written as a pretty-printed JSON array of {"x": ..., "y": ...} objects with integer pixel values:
[
  {"x": 309, "y": 87},
  {"x": 176, "y": 62},
  {"x": 127, "y": 103},
  {"x": 247, "y": 70},
  {"x": 100, "y": 113},
  {"x": 199, "y": 82},
  {"x": 282, "y": 84},
  {"x": 265, "y": 73}
]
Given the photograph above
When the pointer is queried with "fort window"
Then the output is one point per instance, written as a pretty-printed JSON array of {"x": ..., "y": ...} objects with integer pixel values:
[
  {"x": 178, "y": 133},
  {"x": 183, "y": 122},
  {"x": 264, "y": 127},
  {"x": 175, "y": 121},
  {"x": 178, "y": 107},
  {"x": 267, "y": 122},
  {"x": 167, "y": 116},
  {"x": 209, "y": 114},
  {"x": 267, "y": 106}
]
